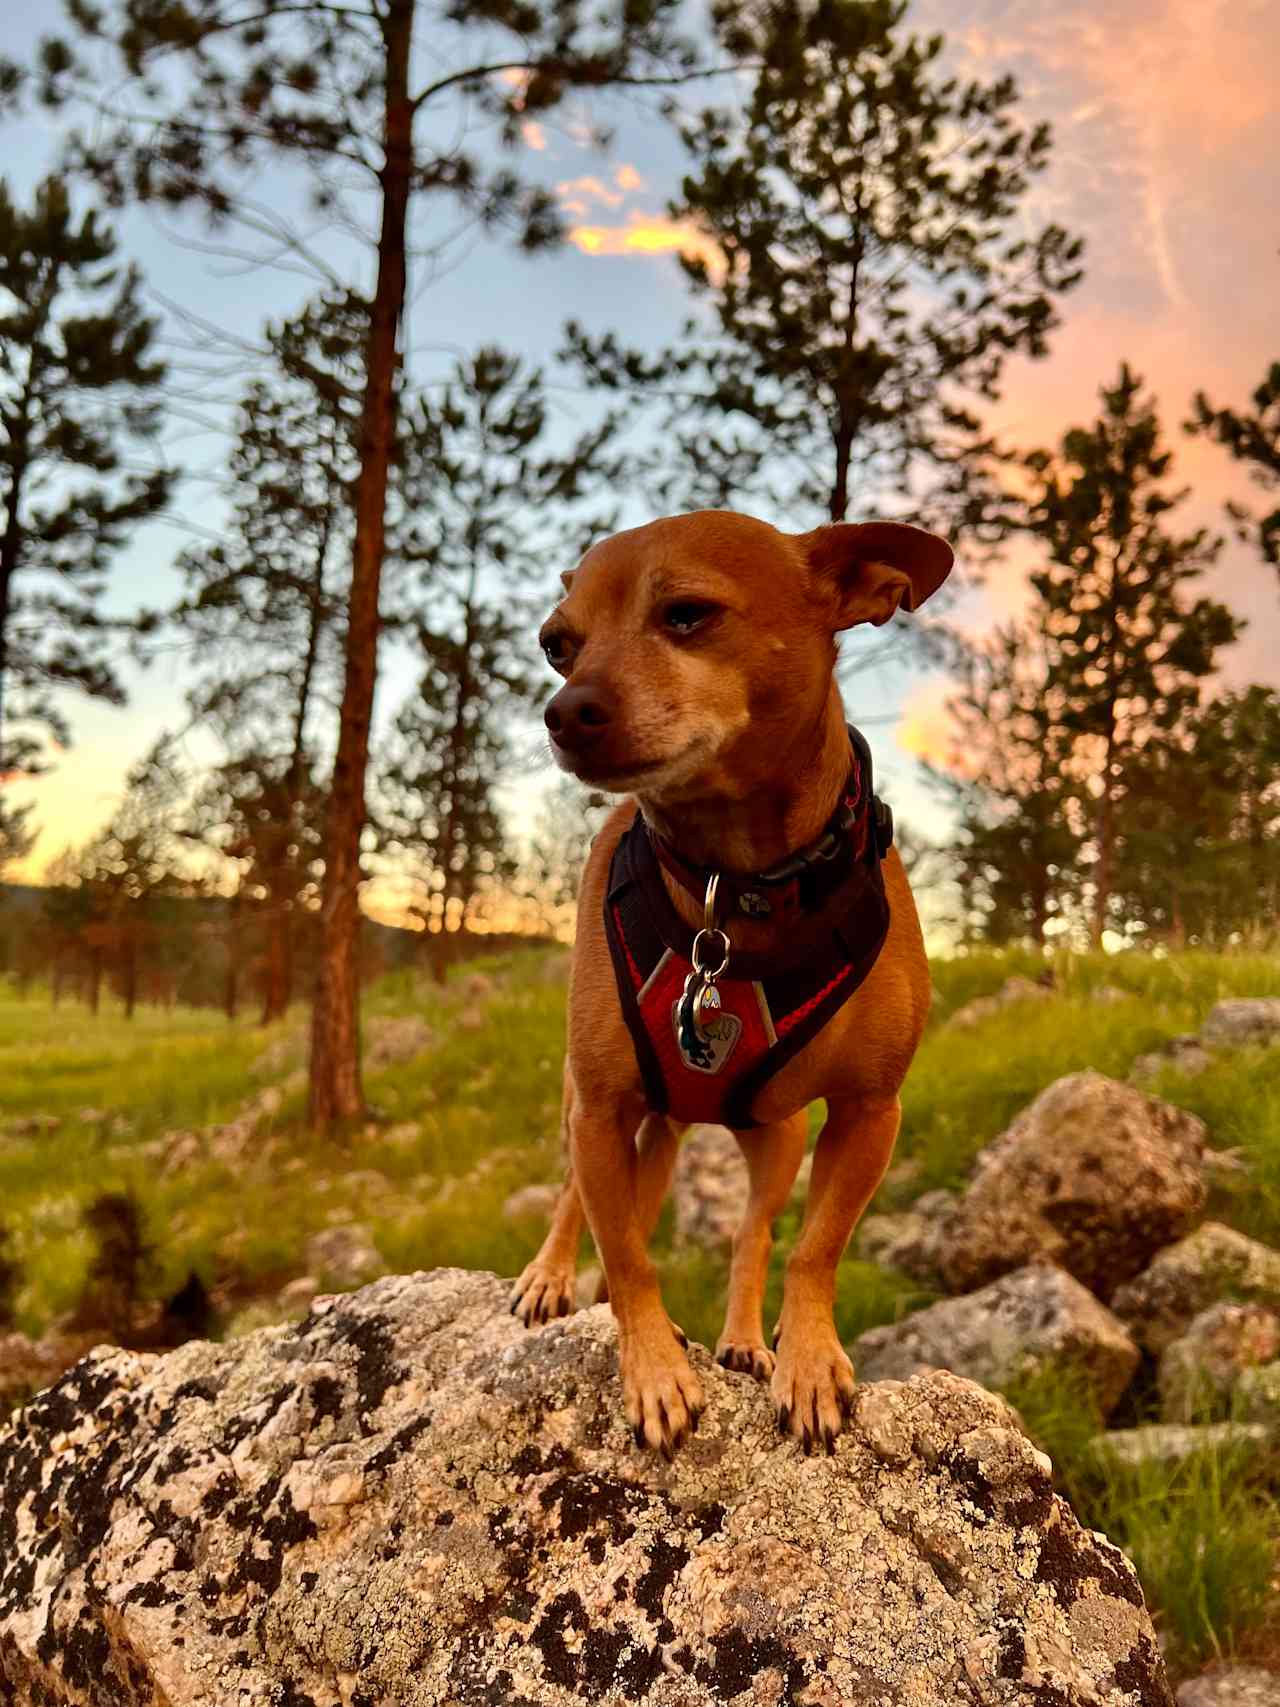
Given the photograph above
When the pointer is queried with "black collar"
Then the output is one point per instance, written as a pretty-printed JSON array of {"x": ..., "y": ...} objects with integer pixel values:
[{"x": 802, "y": 880}]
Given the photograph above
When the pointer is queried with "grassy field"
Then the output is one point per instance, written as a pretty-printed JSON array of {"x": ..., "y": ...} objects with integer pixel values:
[{"x": 475, "y": 1116}]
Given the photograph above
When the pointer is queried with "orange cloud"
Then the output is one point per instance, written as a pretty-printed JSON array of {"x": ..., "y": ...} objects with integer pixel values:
[
  {"x": 651, "y": 234},
  {"x": 534, "y": 135},
  {"x": 627, "y": 178},
  {"x": 589, "y": 189}
]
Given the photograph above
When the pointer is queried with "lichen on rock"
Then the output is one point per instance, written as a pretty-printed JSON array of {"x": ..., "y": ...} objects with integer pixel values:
[{"x": 408, "y": 1499}]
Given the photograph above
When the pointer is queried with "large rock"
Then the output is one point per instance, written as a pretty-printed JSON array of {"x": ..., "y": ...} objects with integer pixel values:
[
  {"x": 1243, "y": 1020},
  {"x": 1200, "y": 1370},
  {"x": 1213, "y": 1263},
  {"x": 1184, "y": 1054},
  {"x": 1257, "y": 1396},
  {"x": 1232, "y": 1686},
  {"x": 908, "y": 1240},
  {"x": 709, "y": 1188},
  {"x": 407, "y": 1499},
  {"x": 1008, "y": 1330},
  {"x": 1014, "y": 989},
  {"x": 1092, "y": 1176},
  {"x": 1166, "y": 1445}
]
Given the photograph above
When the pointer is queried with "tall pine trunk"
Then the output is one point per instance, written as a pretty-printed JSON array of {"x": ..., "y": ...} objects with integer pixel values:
[
  {"x": 278, "y": 976},
  {"x": 8, "y": 568},
  {"x": 336, "y": 1092}
]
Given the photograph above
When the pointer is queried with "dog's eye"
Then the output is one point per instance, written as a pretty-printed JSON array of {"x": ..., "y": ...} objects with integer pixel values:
[
  {"x": 685, "y": 615},
  {"x": 556, "y": 650}
]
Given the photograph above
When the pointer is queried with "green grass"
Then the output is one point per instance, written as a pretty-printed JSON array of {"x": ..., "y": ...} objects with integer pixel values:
[
  {"x": 966, "y": 1086},
  {"x": 477, "y": 1116}
]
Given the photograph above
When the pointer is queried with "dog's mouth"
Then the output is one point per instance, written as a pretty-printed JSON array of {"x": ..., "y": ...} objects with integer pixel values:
[
  {"x": 615, "y": 777},
  {"x": 656, "y": 777}
]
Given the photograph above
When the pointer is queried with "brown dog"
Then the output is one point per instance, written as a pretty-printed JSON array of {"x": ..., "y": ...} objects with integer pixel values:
[{"x": 699, "y": 657}]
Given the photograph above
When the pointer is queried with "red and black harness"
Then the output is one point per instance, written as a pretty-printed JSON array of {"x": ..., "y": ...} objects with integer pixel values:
[{"x": 766, "y": 1007}]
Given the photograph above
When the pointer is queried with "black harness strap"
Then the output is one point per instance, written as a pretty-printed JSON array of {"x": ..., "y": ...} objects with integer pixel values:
[{"x": 782, "y": 1000}]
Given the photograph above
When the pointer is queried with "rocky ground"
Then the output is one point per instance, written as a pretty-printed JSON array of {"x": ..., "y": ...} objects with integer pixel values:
[
  {"x": 1107, "y": 1260},
  {"x": 406, "y": 1498}
]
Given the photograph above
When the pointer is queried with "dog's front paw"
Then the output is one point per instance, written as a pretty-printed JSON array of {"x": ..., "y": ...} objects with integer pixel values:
[
  {"x": 541, "y": 1294},
  {"x": 746, "y": 1357},
  {"x": 813, "y": 1384},
  {"x": 663, "y": 1396}
]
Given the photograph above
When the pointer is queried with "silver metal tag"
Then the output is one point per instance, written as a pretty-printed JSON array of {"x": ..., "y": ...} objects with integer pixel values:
[{"x": 713, "y": 1042}]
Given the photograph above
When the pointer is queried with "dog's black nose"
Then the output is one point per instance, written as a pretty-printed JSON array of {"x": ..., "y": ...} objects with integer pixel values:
[{"x": 577, "y": 716}]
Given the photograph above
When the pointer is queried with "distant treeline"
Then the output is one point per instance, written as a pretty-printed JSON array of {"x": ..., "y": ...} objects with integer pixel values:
[{"x": 85, "y": 944}]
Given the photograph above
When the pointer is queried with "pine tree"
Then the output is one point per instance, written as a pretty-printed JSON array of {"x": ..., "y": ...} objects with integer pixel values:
[
  {"x": 126, "y": 869},
  {"x": 17, "y": 834},
  {"x": 332, "y": 89},
  {"x": 1254, "y": 439},
  {"x": 262, "y": 816},
  {"x": 551, "y": 866},
  {"x": 264, "y": 608},
  {"x": 79, "y": 382},
  {"x": 1200, "y": 858},
  {"x": 1015, "y": 849},
  {"x": 490, "y": 507},
  {"x": 262, "y": 611},
  {"x": 1127, "y": 644},
  {"x": 880, "y": 263}
]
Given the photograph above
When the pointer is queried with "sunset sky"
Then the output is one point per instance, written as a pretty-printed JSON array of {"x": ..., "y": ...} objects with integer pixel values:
[{"x": 1167, "y": 141}]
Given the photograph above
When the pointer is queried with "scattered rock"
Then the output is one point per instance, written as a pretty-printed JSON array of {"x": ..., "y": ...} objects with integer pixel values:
[
  {"x": 478, "y": 984},
  {"x": 1014, "y": 989},
  {"x": 709, "y": 1188},
  {"x": 281, "y": 1052},
  {"x": 1168, "y": 1444},
  {"x": 1185, "y": 1054},
  {"x": 408, "y": 1498},
  {"x": 394, "y": 1038},
  {"x": 1257, "y": 1397},
  {"x": 402, "y": 1134},
  {"x": 471, "y": 1019},
  {"x": 347, "y": 1255},
  {"x": 34, "y": 1125},
  {"x": 1213, "y": 1263},
  {"x": 908, "y": 1241},
  {"x": 1107, "y": 995},
  {"x": 587, "y": 1286},
  {"x": 1225, "y": 1165},
  {"x": 1199, "y": 1371},
  {"x": 1233, "y": 1024},
  {"x": 1008, "y": 1330},
  {"x": 300, "y": 1291},
  {"x": 531, "y": 1203},
  {"x": 1243, "y": 1020},
  {"x": 1093, "y": 1176},
  {"x": 1232, "y": 1686}
]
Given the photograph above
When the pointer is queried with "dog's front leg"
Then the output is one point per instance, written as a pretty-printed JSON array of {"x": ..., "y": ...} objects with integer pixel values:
[
  {"x": 813, "y": 1380},
  {"x": 662, "y": 1394},
  {"x": 773, "y": 1155}
]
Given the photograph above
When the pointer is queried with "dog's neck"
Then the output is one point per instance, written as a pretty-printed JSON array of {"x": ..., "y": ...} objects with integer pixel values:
[{"x": 764, "y": 818}]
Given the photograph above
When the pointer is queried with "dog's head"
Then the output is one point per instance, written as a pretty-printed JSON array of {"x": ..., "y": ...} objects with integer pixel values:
[{"x": 677, "y": 638}]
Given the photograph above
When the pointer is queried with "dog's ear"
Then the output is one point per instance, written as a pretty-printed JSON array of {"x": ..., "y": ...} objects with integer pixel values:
[
  {"x": 566, "y": 579},
  {"x": 872, "y": 569}
]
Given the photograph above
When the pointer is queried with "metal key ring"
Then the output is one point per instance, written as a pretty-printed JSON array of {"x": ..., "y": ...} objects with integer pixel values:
[
  {"x": 709, "y": 902},
  {"x": 705, "y": 936}
]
